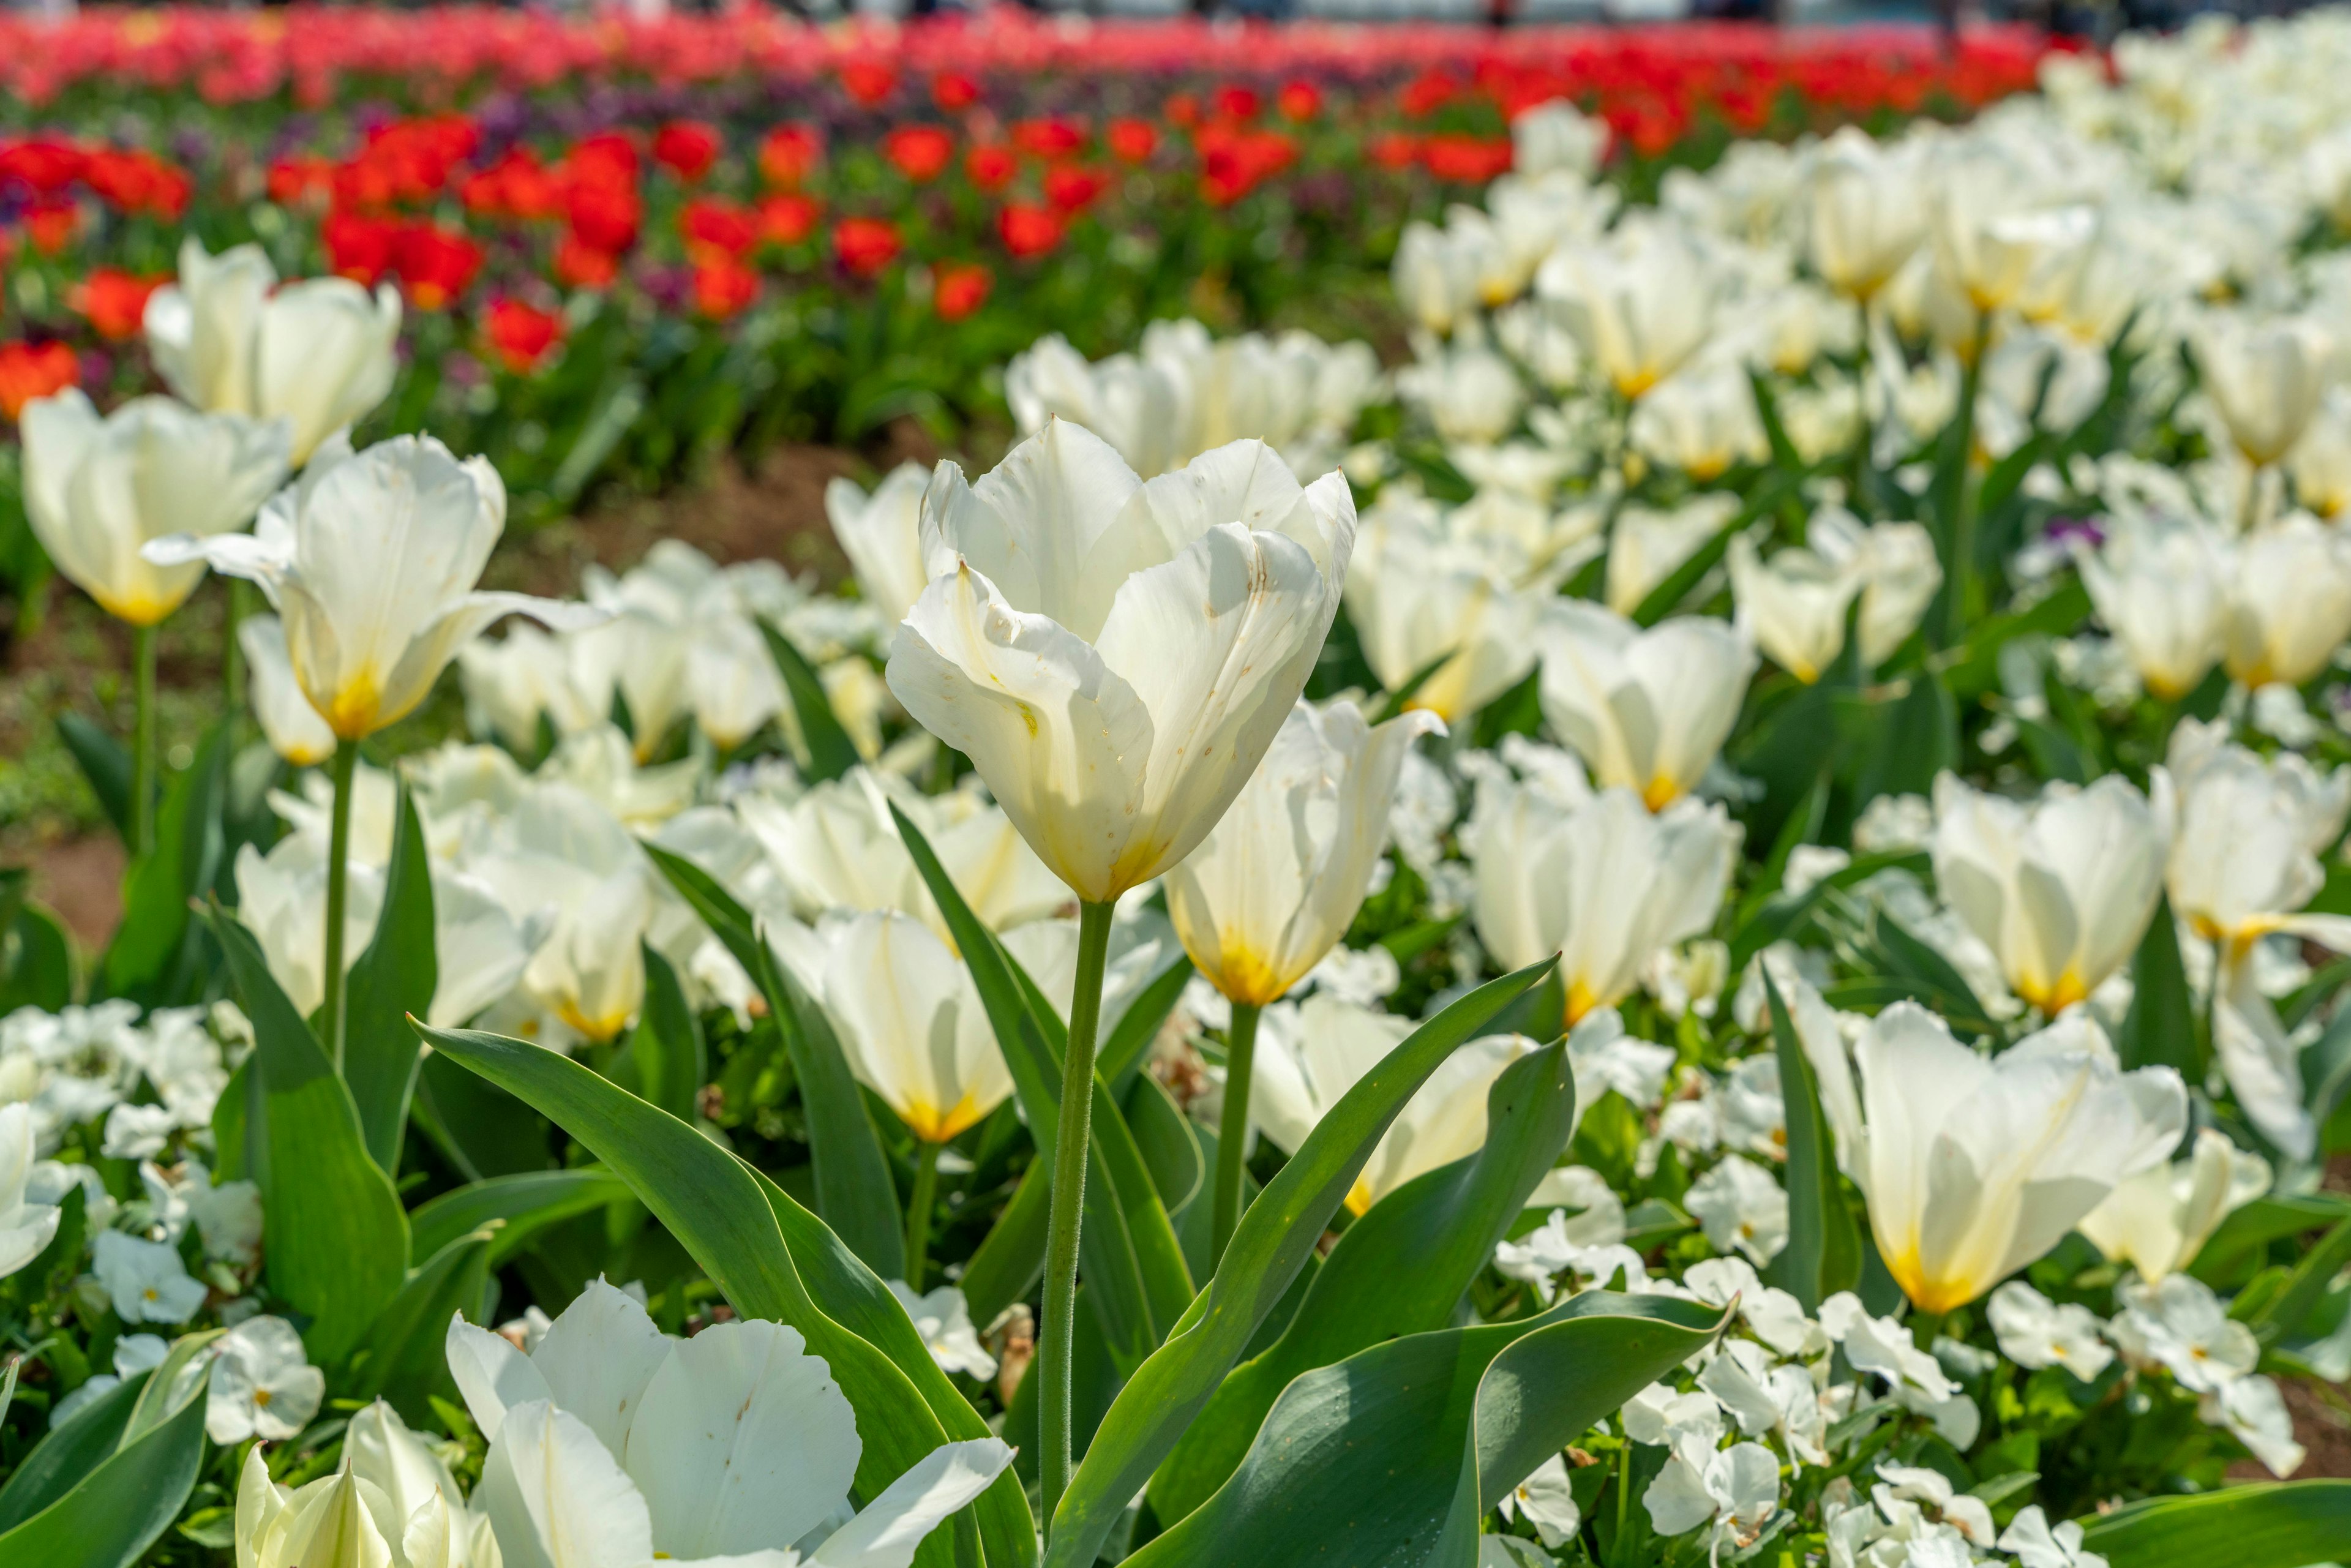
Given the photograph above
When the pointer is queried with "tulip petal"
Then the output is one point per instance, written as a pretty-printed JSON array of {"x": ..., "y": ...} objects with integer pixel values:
[
  {"x": 598, "y": 1359},
  {"x": 885, "y": 1533},
  {"x": 557, "y": 1498},
  {"x": 492, "y": 1376}
]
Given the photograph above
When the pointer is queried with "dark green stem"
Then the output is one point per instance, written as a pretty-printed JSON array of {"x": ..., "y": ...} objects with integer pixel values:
[
  {"x": 339, "y": 859},
  {"x": 1232, "y": 1129},
  {"x": 1959, "y": 517},
  {"x": 918, "y": 1210},
  {"x": 240, "y": 605},
  {"x": 1054, "y": 1343},
  {"x": 143, "y": 742}
]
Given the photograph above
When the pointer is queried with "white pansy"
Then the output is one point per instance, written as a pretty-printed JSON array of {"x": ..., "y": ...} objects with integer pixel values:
[
  {"x": 1546, "y": 1500},
  {"x": 942, "y": 1319},
  {"x": 2255, "y": 1413},
  {"x": 2180, "y": 1325},
  {"x": 2036, "y": 1544},
  {"x": 145, "y": 1281},
  {"x": 1883, "y": 1347},
  {"x": 2034, "y": 1331},
  {"x": 1076, "y": 635},
  {"x": 1737, "y": 1487},
  {"x": 263, "y": 1386},
  {"x": 1739, "y": 1203}
]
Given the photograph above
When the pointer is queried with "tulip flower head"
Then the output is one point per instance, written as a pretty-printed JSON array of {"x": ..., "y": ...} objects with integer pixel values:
[
  {"x": 2161, "y": 586},
  {"x": 882, "y": 535},
  {"x": 97, "y": 491},
  {"x": 1975, "y": 1167},
  {"x": 1279, "y": 880},
  {"x": 2157, "y": 1220},
  {"x": 1115, "y": 655},
  {"x": 1647, "y": 710},
  {"x": 2265, "y": 378},
  {"x": 1862, "y": 212},
  {"x": 371, "y": 562},
  {"x": 912, "y": 1024}
]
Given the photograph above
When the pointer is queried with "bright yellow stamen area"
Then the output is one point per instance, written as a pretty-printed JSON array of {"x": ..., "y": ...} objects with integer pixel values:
[
  {"x": 2055, "y": 998},
  {"x": 600, "y": 1029},
  {"x": 1662, "y": 792},
  {"x": 1581, "y": 1000},
  {"x": 933, "y": 1126}
]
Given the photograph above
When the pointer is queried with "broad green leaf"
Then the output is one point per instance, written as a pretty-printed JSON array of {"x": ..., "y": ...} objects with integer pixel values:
[
  {"x": 120, "y": 1508},
  {"x": 177, "y": 1377},
  {"x": 405, "y": 1359},
  {"x": 1822, "y": 1255},
  {"x": 854, "y": 1192},
  {"x": 1400, "y": 1270},
  {"x": 1011, "y": 1258},
  {"x": 1127, "y": 1251},
  {"x": 481, "y": 1130},
  {"x": 8, "y": 1387},
  {"x": 1907, "y": 957},
  {"x": 666, "y": 1056},
  {"x": 1267, "y": 1249},
  {"x": 105, "y": 763},
  {"x": 1972, "y": 667},
  {"x": 2160, "y": 1028},
  {"x": 2236, "y": 1248},
  {"x": 337, "y": 1240},
  {"x": 1124, "y": 1048},
  {"x": 2284, "y": 1313},
  {"x": 1661, "y": 601},
  {"x": 147, "y": 959},
  {"x": 1782, "y": 916},
  {"x": 1164, "y": 1137},
  {"x": 1910, "y": 740},
  {"x": 2281, "y": 1524},
  {"x": 71, "y": 1450},
  {"x": 731, "y": 1221},
  {"x": 830, "y": 752},
  {"x": 394, "y": 977},
  {"x": 523, "y": 1203},
  {"x": 36, "y": 962},
  {"x": 1391, "y": 1457}
]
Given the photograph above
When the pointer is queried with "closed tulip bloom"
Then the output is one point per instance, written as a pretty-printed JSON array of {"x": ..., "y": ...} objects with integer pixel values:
[
  {"x": 1435, "y": 275},
  {"x": 1862, "y": 213},
  {"x": 2320, "y": 463},
  {"x": 2157, "y": 1220},
  {"x": 2290, "y": 605},
  {"x": 2265, "y": 377},
  {"x": 370, "y": 561},
  {"x": 882, "y": 535},
  {"x": 2060, "y": 887},
  {"x": 2250, "y": 832},
  {"x": 1647, "y": 710},
  {"x": 1640, "y": 303},
  {"x": 1974, "y": 1166},
  {"x": 1468, "y": 391},
  {"x": 1793, "y": 606},
  {"x": 293, "y": 727},
  {"x": 1279, "y": 880},
  {"x": 317, "y": 352},
  {"x": 1417, "y": 594},
  {"x": 335, "y": 1521},
  {"x": 1606, "y": 884},
  {"x": 97, "y": 491},
  {"x": 561, "y": 858},
  {"x": 1115, "y": 656},
  {"x": 1898, "y": 570},
  {"x": 912, "y": 1024},
  {"x": 612, "y": 1446},
  {"x": 2161, "y": 586},
  {"x": 1702, "y": 421},
  {"x": 1647, "y": 546},
  {"x": 1138, "y": 407}
]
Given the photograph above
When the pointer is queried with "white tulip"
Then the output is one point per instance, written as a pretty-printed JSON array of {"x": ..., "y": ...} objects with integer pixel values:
[
  {"x": 1140, "y": 407},
  {"x": 1701, "y": 420},
  {"x": 370, "y": 561},
  {"x": 2289, "y": 605},
  {"x": 2245, "y": 858},
  {"x": 511, "y": 682},
  {"x": 2157, "y": 1220},
  {"x": 732, "y": 681},
  {"x": 25, "y": 1227},
  {"x": 612, "y": 1446},
  {"x": 2161, "y": 585},
  {"x": 336, "y": 1522},
  {"x": 1295, "y": 393},
  {"x": 2265, "y": 377},
  {"x": 1418, "y": 592},
  {"x": 1434, "y": 275},
  {"x": 293, "y": 727},
  {"x": 1115, "y": 656},
  {"x": 1975, "y": 1167},
  {"x": 882, "y": 535},
  {"x": 1556, "y": 135},
  {"x": 99, "y": 490},
  {"x": 1863, "y": 212},
  {"x": 1647, "y": 710},
  {"x": 2060, "y": 888},
  {"x": 1647, "y": 546},
  {"x": 561, "y": 861},
  {"x": 1468, "y": 391},
  {"x": 1793, "y": 606},
  {"x": 1640, "y": 302},
  {"x": 1278, "y": 880},
  {"x": 317, "y": 352},
  {"x": 2320, "y": 463},
  {"x": 1604, "y": 884},
  {"x": 1899, "y": 573},
  {"x": 912, "y": 1025}
]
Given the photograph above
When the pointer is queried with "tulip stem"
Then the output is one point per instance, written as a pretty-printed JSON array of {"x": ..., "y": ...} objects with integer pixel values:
[
  {"x": 1232, "y": 1128},
  {"x": 918, "y": 1210},
  {"x": 240, "y": 605},
  {"x": 338, "y": 869},
  {"x": 1959, "y": 518},
  {"x": 1069, "y": 1191},
  {"x": 142, "y": 741}
]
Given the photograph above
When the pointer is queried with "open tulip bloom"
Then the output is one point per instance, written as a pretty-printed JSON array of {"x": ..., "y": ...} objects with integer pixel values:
[{"x": 612, "y": 1446}]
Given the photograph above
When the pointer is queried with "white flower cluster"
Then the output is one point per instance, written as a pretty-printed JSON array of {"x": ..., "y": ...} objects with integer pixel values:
[{"x": 150, "y": 1080}]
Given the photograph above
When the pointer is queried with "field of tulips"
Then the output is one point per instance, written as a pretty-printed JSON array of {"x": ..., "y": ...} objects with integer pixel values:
[{"x": 1690, "y": 908}]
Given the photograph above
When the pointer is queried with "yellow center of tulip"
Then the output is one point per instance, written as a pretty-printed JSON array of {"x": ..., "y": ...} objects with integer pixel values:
[{"x": 934, "y": 1127}]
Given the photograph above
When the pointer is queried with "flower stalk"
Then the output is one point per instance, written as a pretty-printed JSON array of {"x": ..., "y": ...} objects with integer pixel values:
[
  {"x": 918, "y": 1210},
  {"x": 142, "y": 741},
  {"x": 339, "y": 872},
  {"x": 1232, "y": 1129},
  {"x": 1069, "y": 1191}
]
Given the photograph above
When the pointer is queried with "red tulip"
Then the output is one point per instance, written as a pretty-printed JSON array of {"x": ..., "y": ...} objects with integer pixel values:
[
  {"x": 1071, "y": 188},
  {"x": 990, "y": 166},
  {"x": 952, "y": 91},
  {"x": 786, "y": 220},
  {"x": 1236, "y": 102},
  {"x": 723, "y": 287},
  {"x": 360, "y": 247},
  {"x": 115, "y": 301},
  {"x": 920, "y": 151},
  {"x": 521, "y": 335},
  {"x": 1471, "y": 159},
  {"x": 725, "y": 228},
  {"x": 960, "y": 288},
  {"x": 686, "y": 148},
  {"x": 1132, "y": 140},
  {"x": 51, "y": 224},
  {"x": 864, "y": 246},
  {"x": 1030, "y": 231},
  {"x": 790, "y": 155},
  {"x": 28, "y": 370},
  {"x": 605, "y": 217},
  {"x": 1049, "y": 138},
  {"x": 1299, "y": 100},
  {"x": 578, "y": 265},
  {"x": 436, "y": 264},
  {"x": 868, "y": 82}
]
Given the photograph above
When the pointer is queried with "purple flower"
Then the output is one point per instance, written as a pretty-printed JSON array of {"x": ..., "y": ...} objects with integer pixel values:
[{"x": 2066, "y": 532}]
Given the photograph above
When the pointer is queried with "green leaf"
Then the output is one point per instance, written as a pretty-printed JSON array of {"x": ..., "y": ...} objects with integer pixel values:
[
  {"x": 2273, "y": 1524},
  {"x": 1822, "y": 1255},
  {"x": 1123, "y": 1050},
  {"x": 2160, "y": 1028},
  {"x": 1011, "y": 1258},
  {"x": 2243, "y": 1239},
  {"x": 2327, "y": 1068},
  {"x": 2283, "y": 1312},
  {"x": 830, "y": 752},
  {"x": 1390, "y": 1459},
  {"x": 147, "y": 959},
  {"x": 71, "y": 1450},
  {"x": 394, "y": 977},
  {"x": 731, "y": 1221},
  {"x": 337, "y": 1241},
  {"x": 1661, "y": 601},
  {"x": 1267, "y": 1249},
  {"x": 36, "y": 962},
  {"x": 8, "y": 1386},
  {"x": 1399, "y": 1270},
  {"x": 666, "y": 1056},
  {"x": 524, "y": 1204},
  {"x": 405, "y": 1359},
  {"x": 1167, "y": 1142},
  {"x": 105, "y": 763},
  {"x": 1782, "y": 916},
  {"x": 1931, "y": 975},
  {"x": 1972, "y": 667},
  {"x": 120, "y": 1507},
  {"x": 1127, "y": 1251},
  {"x": 481, "y": 1130},
  {"x": 854, "y": 1192},
  {"x": 1909, "y": 741}
]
